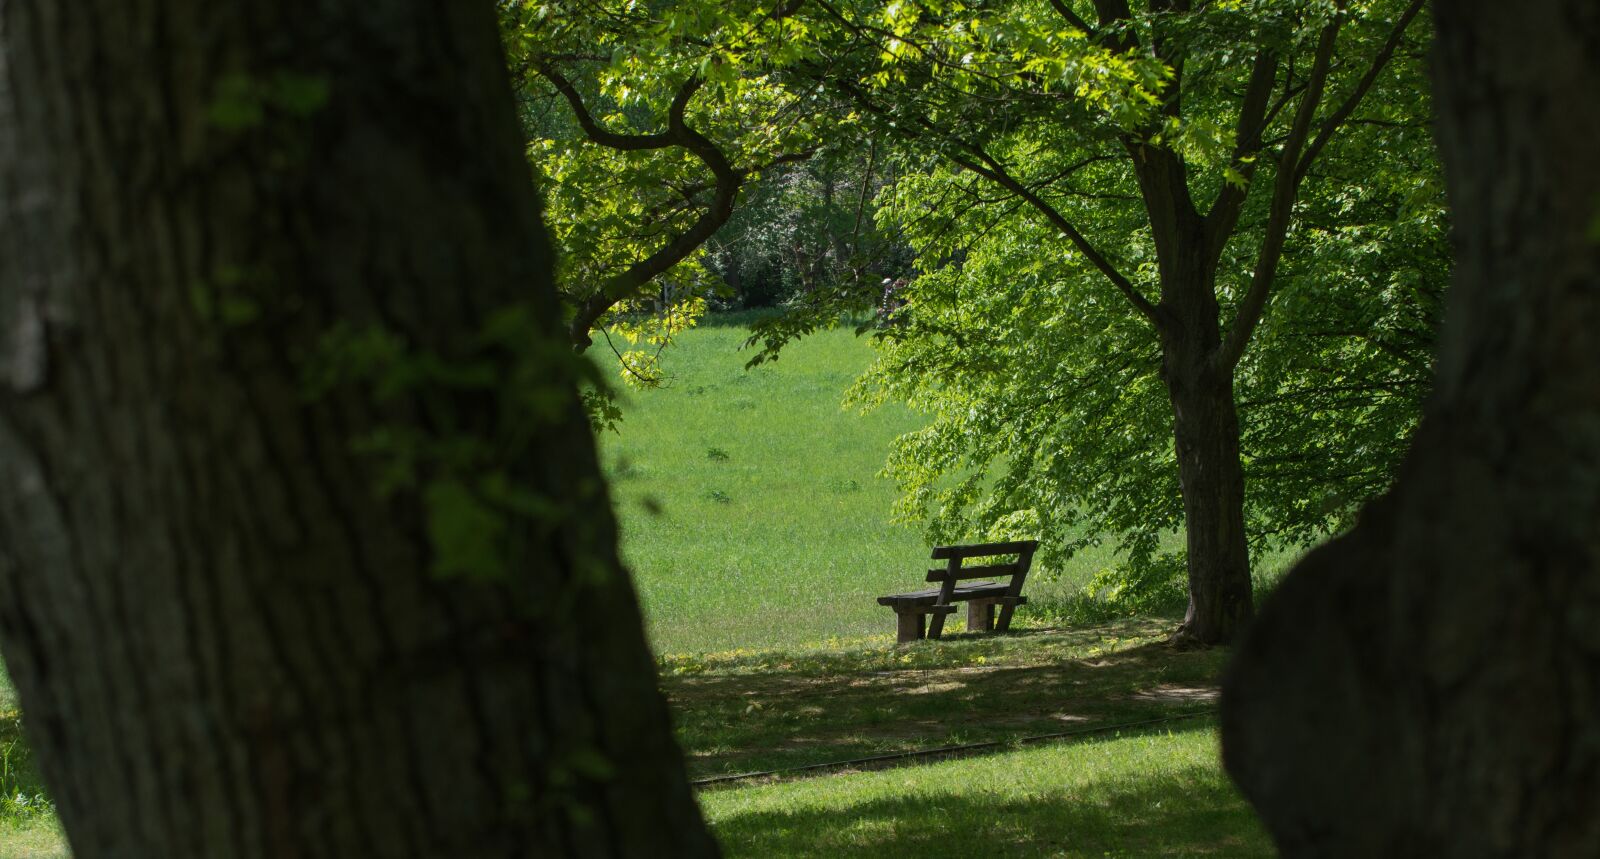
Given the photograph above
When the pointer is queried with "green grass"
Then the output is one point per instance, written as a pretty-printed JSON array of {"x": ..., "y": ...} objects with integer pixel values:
[
  {"x": 1142, "y": 791},
  {"x": 32, "y": 838},
  {"x": 751, "y": 509},
  {"x": 758, "y": 710},
  {"x": 772, "y": 526},
  {"x": 1149, "y": 794},
  {"x": 1156, "y": 790},
  {"x": 22, "y": 794}
]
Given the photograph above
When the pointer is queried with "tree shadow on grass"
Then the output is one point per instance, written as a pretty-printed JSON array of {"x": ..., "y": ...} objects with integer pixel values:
[
  {"x": 1189, "y": 811},
  {"x": 799, "y": 716}
]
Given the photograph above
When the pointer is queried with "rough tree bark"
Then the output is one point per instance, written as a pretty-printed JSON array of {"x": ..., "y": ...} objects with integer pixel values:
[
  {"x": 226, "y": 643},
  {"x": 1429, "y": 685},
  {"x": 1211, "y": 476}
]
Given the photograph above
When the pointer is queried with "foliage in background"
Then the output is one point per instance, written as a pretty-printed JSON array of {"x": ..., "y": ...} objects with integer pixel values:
[
  {"x": 808, "y": 237},
  {"x": 22, "y": 795},
  {"x": 987, "y": 136},
  {"x": 1049, "y": 414},
  {"x": 646, "y": 122}
]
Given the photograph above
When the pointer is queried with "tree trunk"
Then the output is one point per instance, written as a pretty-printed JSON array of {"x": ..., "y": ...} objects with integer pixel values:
[
  {"x": 1205, "y": 424},
  {"x": 255, "y": 259},
  {"x": 1429, "y": 684},
  {"x": 1206, "y": 433}
]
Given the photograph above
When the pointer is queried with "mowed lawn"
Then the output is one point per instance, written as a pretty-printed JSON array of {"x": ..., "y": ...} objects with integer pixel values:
[
  {"x": 1138, "y": 775},
  {"x": 751, "y": 507},
  {"x": 1154, "y": 793}
]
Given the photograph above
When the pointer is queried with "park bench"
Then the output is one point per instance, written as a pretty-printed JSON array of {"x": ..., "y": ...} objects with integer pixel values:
[{"x": 914, "y": 608}]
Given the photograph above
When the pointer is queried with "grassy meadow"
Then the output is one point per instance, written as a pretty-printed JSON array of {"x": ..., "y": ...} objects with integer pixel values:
[{"x": 751, "y": 508}]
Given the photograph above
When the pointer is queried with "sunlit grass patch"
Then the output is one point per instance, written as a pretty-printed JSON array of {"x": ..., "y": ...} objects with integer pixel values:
[
  {"x": 32, "y": 838},
  {"x": 1157, "y": 793},
  {"x": 751, "y": 508}
]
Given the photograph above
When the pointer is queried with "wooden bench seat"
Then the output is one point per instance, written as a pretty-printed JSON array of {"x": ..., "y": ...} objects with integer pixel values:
[{"x": 915, "y": 608}]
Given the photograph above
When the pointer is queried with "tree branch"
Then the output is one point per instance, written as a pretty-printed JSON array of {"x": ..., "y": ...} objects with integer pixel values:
[
  {"x": 725, "y": 184},
  {"x": 1286, "y": 183},
  {"x": 997, "y": 173},
  {"x": 593, "y": 129},
  {"x": 1225, "y": 210},
  {"x": 1338, "y": 117},
  {"x": 989, "y": 168},
  {"x": 727, "y": 180},
  {"x": 1072, "y": 17}
]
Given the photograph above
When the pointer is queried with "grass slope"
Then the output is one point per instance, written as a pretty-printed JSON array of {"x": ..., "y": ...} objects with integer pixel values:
[
  {"x": 751, "y": 509},
  {"x": 772, "y": 526}
]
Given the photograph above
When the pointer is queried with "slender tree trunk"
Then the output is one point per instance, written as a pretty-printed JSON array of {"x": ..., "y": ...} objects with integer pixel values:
[
  {"x": 1206, "y": 433},
  {"x": 1429, "y": 684},
  {"x": 254, "y": 257},
  {"x": 1205, "y": 422}
]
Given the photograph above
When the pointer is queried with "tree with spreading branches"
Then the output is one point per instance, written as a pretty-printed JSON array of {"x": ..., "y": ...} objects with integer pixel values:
[{"x": 1150, "y": 164}]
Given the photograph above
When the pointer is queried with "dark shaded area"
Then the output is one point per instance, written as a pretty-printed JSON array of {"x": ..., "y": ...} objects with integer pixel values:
[{"x": 1427, "y": 684}]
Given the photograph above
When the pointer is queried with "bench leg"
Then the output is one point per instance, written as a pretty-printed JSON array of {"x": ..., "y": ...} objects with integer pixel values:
[
  {"x": 980, "y": 616},
  {"x": 936, "y": 627},
  {"x": 910, "y": 626},
  {"x": 1005, "y": 615}
]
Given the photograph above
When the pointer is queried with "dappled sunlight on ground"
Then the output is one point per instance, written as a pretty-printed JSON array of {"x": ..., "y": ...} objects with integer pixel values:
[
  {"x": 1180, "y": 694},
  {"x": 930, "y": 688},
  {"x": 772, "y": 710}
]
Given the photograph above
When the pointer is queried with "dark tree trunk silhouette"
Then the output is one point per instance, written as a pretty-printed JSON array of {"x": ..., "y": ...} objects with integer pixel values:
[
  {"x": 1429, "y": 685},
  {"x": 227, "y": 643}
]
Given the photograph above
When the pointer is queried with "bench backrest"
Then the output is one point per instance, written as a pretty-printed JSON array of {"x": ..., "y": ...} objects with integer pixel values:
[{"x": 954, "y": 570}]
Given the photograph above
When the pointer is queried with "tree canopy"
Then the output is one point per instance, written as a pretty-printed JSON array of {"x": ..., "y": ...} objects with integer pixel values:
[{"x": 1148, "y": 246}]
